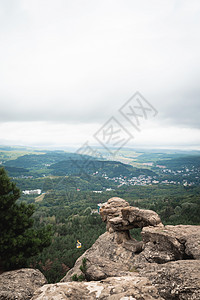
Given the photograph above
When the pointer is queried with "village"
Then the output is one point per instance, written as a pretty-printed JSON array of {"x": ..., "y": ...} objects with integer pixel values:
[{"x": 186, "y": 177}]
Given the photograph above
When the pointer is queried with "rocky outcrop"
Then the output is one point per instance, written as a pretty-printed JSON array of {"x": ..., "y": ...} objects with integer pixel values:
[
  {"x": 104, "y": 259},
  {"x": 168, "y": 255},
  {"x": 171, "y": 243},
  {"x": 170, "y": 260},
  {"x": 20, "y": 284},
  {"x": 119, "y": 216},
  {"x": 112, "y": 288},
  {"x": 175, "y": 280},
  {"x": 113, "y": 252},
  {"x": 164, "y": 265}
]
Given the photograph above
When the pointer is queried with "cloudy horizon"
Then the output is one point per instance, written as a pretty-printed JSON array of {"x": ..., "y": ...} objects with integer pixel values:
[{"x": 67, "y": 67}]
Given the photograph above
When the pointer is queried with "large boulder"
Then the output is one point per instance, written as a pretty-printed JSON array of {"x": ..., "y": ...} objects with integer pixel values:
[
  {"x": 113, "y": 252},
  {"x": 168, "y": 255},
  {"x": 114, "y": 288},
  {"x": 170, "y": 260},
  {"x": 163, "y": 244},
  {"x": 20, "y": 284},
  {"x": 175, "y": 280},
  {"x": 139, "y": 218},
  {"x": 119, "y": 216}
]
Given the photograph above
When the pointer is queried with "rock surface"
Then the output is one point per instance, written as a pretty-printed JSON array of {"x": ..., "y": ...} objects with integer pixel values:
[
  {"x": 131, "y": 287},
  {"x": 113, "y": 252},
  {"x": 119, "y": 216},
  {"x": 162, "y": 257},
  {"x": 171, "y": 260},
  {"x": 175, "y": 280},
  {"x": 104, "y": 259},
  {"x": 171, "y": 243},
  {"x": 20, "y": 284}
]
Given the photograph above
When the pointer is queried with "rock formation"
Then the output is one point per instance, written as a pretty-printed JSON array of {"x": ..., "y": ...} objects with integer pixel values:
[
  {"x": 119, "y": 216},
  {"x": 168, "y": 255},
  {"x": 113, "y": 253},
  {"x": 176, "y": 279},
  {"x": 170, "y": 260},
  {"x": 113, "y": 288},
  {"x": 171, "y": 243},
  {"x": 164, "y": 265},
  {"x": 20, "y": 284}
]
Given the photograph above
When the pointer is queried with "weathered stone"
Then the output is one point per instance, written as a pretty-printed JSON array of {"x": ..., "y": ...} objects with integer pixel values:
[
  {"x": 133, "y": 246},
  {"x": 96, "y": 272},
  {"x": 115, "y": 253},
  {"x": 119, "y": 216},
  {"x": 20, "y": 284},
  {"x": 140, "y": 217},
  {"x": 192, "y": 246},
  {"x": 175, "y": 280},
  {"x": 114, "y": 288},
  {"x": 107, "y": 256},
  {"x": 163, "y": 244},
  {"x": 112, "y": 209}
]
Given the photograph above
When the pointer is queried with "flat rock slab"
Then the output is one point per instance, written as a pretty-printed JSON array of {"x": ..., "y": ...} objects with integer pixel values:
[
  {"x": 20, "y": 284},
  {"x": 175, "y": 280},
  {"x": 169, "y": 243},
  {"x": 114, "y": 288}
]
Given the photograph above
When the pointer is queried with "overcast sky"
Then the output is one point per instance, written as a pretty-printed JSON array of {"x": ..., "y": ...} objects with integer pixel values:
[{"x": 67, "y": 67}]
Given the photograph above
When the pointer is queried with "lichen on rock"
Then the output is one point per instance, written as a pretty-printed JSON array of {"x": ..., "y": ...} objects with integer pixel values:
[{"x": 20, "y": 284}]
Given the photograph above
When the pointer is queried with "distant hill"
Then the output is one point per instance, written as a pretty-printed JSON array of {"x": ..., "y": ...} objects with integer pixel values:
[
  {"x": 63, "y": 163},
  {"x": 39, "y": 160},
  {"x": 182, "y": 162},
  {"x": 110, "y": 168},
  {"x": 158, "y": 156},
  {"x": 14, "y": 171}
]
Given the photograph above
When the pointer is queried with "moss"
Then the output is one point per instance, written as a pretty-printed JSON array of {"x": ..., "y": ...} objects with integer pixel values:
[{"x": 133, "y": 269}]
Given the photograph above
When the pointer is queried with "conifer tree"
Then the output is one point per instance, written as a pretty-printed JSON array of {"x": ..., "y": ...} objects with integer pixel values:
[{"x": 18, "y": 239}]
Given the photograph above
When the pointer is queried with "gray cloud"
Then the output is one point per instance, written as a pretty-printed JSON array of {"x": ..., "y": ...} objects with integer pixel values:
[{"x": 78, "y": 62}]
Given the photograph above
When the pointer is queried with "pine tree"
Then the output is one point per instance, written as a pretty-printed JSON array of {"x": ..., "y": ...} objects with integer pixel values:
[{"x": 18, "y": 239}]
